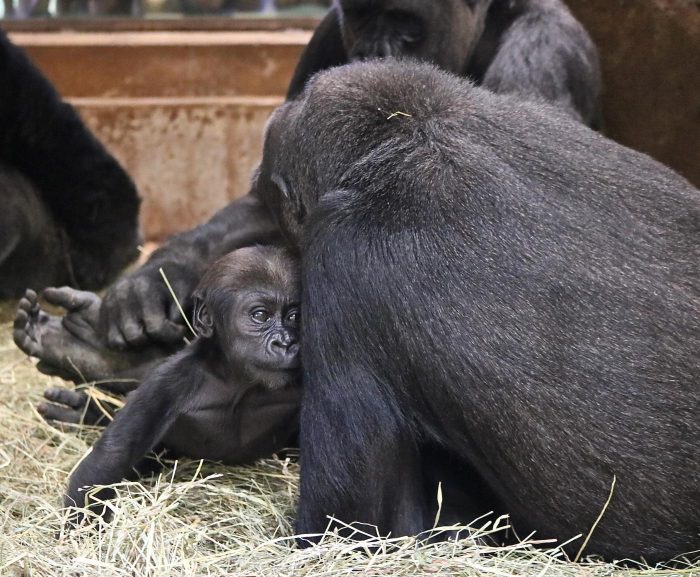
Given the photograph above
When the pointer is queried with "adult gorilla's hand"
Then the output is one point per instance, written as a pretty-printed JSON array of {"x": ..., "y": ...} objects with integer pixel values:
[{"x": 140, "y": 308}]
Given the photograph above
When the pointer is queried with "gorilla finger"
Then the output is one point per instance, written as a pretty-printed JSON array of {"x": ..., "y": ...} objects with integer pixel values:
[
  {"x": 111, "y": 313},
  {"x": 68, "y": 298},
  {"x": 133, "y": 311},
  {"x": 112, "y": 318},
  {"x": 169, "y": 332},
  {"x": 134, "y": 333},
  {"x": 24, "y": 304},
  {"x": 155, "y": 318},
  {"x": 21, "y": 320},
  {"x": 115, "y": 338},
  {"x": 72, "y": 399},
  {"x": 53, "y": 371},
  {"x": 32, "y": 299},
  {"x": 60, "y": 414}
]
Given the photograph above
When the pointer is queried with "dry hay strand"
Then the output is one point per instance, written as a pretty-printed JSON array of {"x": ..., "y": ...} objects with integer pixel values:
[{"x": 199, "y": 519}]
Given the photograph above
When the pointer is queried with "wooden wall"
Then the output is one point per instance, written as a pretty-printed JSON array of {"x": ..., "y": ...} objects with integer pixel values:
[{"x": 650, "y": 54}]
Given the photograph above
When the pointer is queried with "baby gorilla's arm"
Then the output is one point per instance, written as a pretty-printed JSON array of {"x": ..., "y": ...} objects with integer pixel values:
[{"x": 148, "y": 414}]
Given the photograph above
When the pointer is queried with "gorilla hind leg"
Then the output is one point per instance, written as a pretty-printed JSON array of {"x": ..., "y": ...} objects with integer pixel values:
[{"x": 360, "y": 461}]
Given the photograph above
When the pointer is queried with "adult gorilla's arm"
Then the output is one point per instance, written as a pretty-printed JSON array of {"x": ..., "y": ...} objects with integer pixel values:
[
  {"x": 140, "y": 307},
  {"x": 540, "y": 50},
  {"x": 324, "y": 50}
]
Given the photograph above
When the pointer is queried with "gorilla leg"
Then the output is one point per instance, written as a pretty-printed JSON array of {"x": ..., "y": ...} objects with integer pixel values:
[
  {"x": 30, "y": 242},
  {"x": 351, "y": 432},
  {"x": 72, "y": 348},
  {"x": 465, "y": 496}
]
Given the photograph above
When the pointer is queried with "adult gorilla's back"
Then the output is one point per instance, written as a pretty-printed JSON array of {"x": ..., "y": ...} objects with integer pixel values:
[{"x": 490, "y": 277}]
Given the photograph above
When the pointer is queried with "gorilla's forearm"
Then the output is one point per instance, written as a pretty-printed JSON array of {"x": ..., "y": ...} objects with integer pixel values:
[{"x": 243, "y": 222}]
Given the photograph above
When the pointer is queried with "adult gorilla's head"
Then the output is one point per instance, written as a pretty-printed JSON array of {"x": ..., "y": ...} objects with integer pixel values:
[
  {"x": 444, "y": 32},
  {"x": 333, "y": 135}
]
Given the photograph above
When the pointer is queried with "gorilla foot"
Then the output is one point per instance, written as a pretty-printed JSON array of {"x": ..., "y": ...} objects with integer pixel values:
[
  {"x": 74, "y": 407},
  {"x": 72, "y": 347}
]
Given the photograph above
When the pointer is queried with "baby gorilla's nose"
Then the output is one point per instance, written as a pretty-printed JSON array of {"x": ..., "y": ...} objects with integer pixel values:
[
  {"x": 283, "y": 343},
  {"x": 285, "y": 351},
  {"x": 293, "y": 349}
]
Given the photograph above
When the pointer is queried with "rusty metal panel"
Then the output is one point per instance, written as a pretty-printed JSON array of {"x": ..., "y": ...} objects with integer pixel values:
[
  {"x": 187, "y": 157},
  {"x": 166, "y": 64}
]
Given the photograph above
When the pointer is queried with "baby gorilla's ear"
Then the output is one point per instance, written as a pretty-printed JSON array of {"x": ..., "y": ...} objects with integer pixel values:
[{"x": 201, "y": 318}]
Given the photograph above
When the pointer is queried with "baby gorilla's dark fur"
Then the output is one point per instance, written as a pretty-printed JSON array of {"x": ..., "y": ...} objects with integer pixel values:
[
  {"x": 70, "y": 212},
  {"x": 232, "y": 395}
]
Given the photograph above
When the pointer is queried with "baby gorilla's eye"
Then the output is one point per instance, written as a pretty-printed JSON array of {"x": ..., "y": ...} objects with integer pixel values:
[
  {"x": 260, "y": 316},
  {"x": 293, "y": 317}
]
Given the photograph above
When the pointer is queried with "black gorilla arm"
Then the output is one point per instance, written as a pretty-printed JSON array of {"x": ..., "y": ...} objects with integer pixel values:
[{"x": 90, "y": 197}]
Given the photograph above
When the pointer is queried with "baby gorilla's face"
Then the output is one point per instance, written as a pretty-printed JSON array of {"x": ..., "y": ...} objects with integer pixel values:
[{"x": 264, "y": 328}]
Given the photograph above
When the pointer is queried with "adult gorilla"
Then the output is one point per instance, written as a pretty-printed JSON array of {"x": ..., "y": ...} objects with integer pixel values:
[
  {"x": 532, "y": 47},
  {"x": 484, "y": 275}
]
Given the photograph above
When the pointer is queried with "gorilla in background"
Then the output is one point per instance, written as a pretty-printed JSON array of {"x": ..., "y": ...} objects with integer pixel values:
[
  {"x": 70, "y": 212},
  {"x": 485, "y": 275},
  {"x": 532, "y": 47}
]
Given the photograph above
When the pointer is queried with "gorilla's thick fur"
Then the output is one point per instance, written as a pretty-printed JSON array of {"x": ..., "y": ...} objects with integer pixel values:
[
  {"x": 70, "y": 211},
  {"x": 486, "y": 276},
  {"x": 534, "y": 48}
]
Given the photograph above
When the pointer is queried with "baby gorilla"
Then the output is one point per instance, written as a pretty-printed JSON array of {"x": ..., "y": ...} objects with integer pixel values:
[{"x": 232, "y": 395}]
